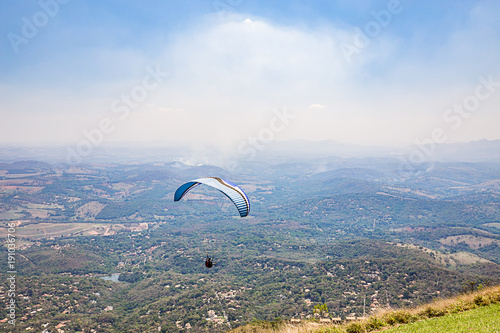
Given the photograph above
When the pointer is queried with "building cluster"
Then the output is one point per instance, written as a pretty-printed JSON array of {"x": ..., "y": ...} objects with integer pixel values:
[
  {"x": 212, "y": 317},
  {"x": 180, "y": 326}
]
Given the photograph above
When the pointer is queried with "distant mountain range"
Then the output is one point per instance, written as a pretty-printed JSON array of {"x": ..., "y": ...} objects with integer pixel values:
[{"x": 474, "y": 151}]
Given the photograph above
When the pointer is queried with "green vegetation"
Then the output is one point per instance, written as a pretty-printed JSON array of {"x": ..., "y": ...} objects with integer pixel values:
[
  {"x": 484, "y": 320},
  {"x": 317, "y": 245},
  {"x": 472, "y": 312}
]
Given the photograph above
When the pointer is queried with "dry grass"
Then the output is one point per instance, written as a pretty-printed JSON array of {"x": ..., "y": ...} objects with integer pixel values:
[{"x": 303, "y": 327}]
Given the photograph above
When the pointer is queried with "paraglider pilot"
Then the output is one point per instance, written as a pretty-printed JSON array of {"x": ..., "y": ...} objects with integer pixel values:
[{"x": 209, "y": 262}]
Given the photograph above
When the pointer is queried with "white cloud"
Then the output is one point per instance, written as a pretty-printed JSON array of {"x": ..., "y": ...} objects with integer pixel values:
[
  {"x": 226, "y": 77},
  {"x": 316, "y": 106},
  {"x": 257, "y": 61}
]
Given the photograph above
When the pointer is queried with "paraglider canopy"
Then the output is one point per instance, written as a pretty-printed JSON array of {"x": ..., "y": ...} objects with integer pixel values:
[{"x": 233, "y": 192}]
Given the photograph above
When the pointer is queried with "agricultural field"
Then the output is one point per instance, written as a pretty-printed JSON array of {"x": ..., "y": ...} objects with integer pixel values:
[
  {"x": 38, "y": 231},
  {"x": 474, "y": 242}
]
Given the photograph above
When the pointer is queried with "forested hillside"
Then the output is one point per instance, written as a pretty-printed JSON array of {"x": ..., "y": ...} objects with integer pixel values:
[{"x": 352, "y": 234}]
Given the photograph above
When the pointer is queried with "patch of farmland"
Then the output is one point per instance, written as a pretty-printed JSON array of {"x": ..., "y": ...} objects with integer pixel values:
[
  {"x": 474, "y": 242},
  {"x": 89, "y": 210}
]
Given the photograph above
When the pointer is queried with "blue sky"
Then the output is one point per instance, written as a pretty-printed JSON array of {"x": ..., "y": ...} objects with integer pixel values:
[{"x": 364, "y": 72}]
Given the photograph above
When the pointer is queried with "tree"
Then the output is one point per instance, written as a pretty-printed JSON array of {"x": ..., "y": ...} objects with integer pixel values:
[{"x": 321, "y": 310}]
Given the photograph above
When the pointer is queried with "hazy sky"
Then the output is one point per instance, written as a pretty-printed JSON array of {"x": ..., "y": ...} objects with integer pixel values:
[{"x": 231, "y": 71}]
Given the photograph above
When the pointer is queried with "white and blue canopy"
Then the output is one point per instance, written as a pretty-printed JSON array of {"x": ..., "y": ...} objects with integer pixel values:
[{"x": 233, "y": 192}]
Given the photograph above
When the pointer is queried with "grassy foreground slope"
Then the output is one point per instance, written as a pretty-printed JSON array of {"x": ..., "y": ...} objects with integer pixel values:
[
  {"x": 477, "y": 311},
  {"x": 484, "y": 319}
]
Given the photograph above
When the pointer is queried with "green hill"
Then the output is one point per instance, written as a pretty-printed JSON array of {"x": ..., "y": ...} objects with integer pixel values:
[
  {"x": 477, "y": 311},
  {"x": 484, "y": 319}
]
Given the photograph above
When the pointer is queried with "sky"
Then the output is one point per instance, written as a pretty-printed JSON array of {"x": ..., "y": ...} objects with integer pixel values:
[{"x": 238, "y": 74}]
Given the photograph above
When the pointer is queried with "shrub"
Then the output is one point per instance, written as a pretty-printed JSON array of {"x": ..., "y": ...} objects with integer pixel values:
[
  {"x": 374, "y": 324},
  {"x": 399, "y": 317},
  {"x": 431, "y": 312},
  {"x": 480, "y": 300},
  {"x": 495, "y": 297},
  {"x": 459, "y": 306},
  {"x": 355, "y": 328}
]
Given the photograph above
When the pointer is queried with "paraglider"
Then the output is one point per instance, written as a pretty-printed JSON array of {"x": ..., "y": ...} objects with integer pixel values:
[{"x": 233, "y": 192}]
